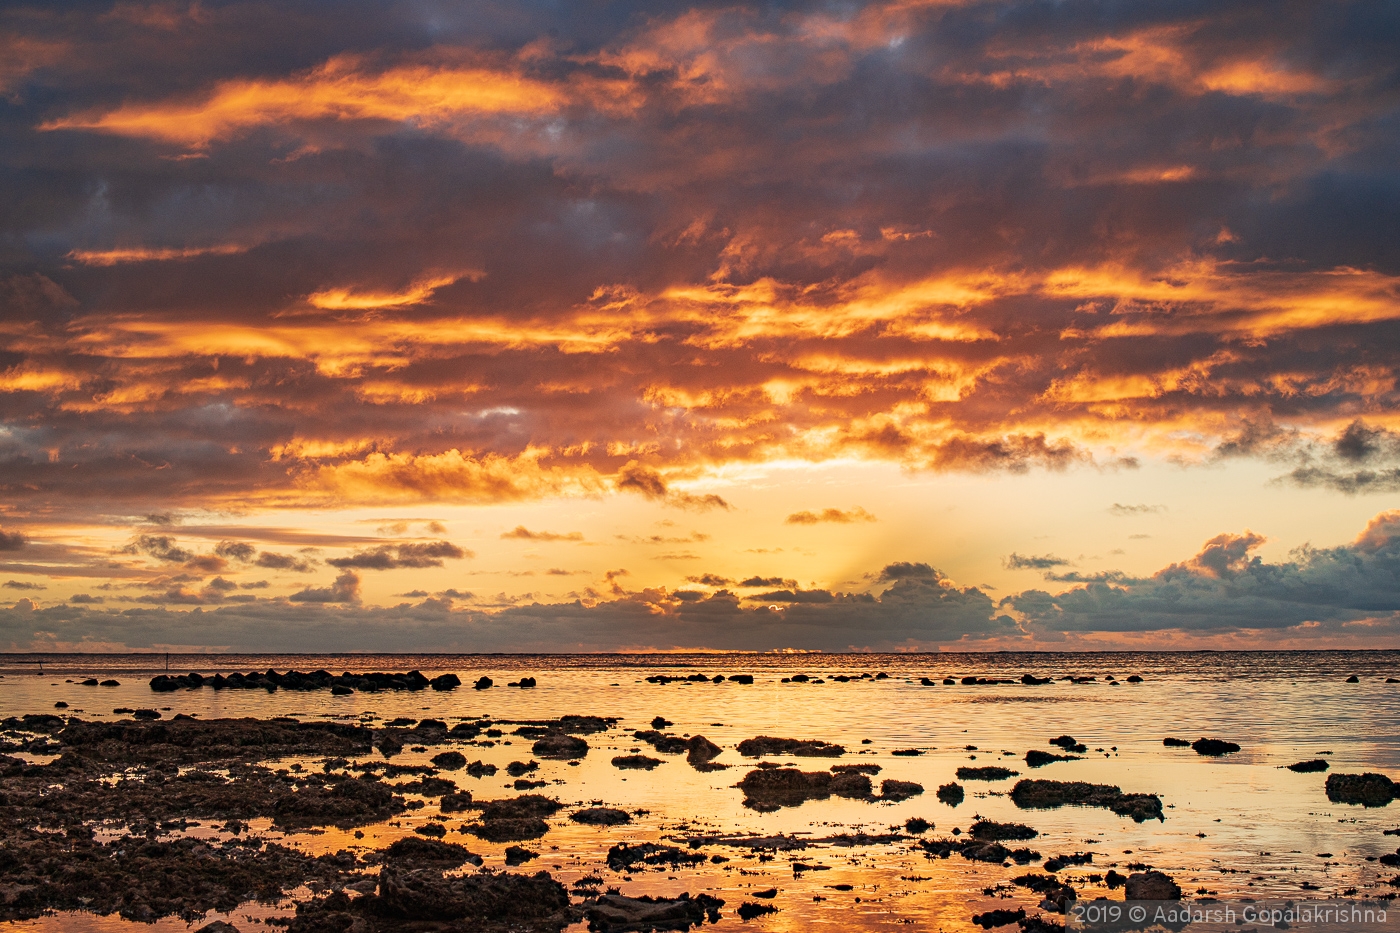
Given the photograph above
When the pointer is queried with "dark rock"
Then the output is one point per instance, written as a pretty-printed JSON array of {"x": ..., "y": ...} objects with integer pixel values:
[
  {"x": 1038, "y": 759},
  {"x": 990, "y": 773},
  {"x": 1151, "y": 886},
  {"x": 478, "y": 769},
  {"x": 145, "y": 715},
  {"x": 1367, "y": 790},
  {"x": 1134, "y": 679},
  {"x": 1064, "y": 861},
  {"x": 470, "y": 901},
  {"x": 616, "y": 913},
  {"x": 1353, "y": 679},
  {"x": 560, "y": 745},
  {"x": 1035, "y": 795},
  {"x": 917, "y": 825},
  {"x": 511, "y": 829},
  {"x": 436, "y": 830},
  {"x": 1176, "y": 743},
  {"x": 1214, "y": 747},
  {"x": 1309, "y": 767},
  {"x": 635, "y": 762},
  {"x": 661, "y": 722},
  {"x": 415, "y": 852},
  {"x": 1030, "y": 680},
  {"x": 856, "y": 769},
  {"x": 999, "y": 918},
  {"x": 700, "y": 751},
  {"x": 907, "y": 752},
  {"x": 741, "y": 678},
  {"x": 483, "y": 683},
  {"x": 896, "y": 791},
  {"x": 951, "y": 794},
  {"x": 767, "y": 745},
  {"x": 218, "y": 926},
  {"x": 1068, "y": 743},
  {"x": 601, "y": 816},
  {"x": 110, "y": 683},
  {"x": 766, "y": 789},
  {"x": 625, "y": 856},
  {"x": 748, "y": 910},
  {"x": 521, "y": 768},
  {"x": 988, "y": 831},
  {"x": 449, "y": 761},
  {"x": 516, "y": 855},
  {"x": 455, "y": 803},
  {"x": 445, "y": 682},
  {"x": 1054, "y": 891}
]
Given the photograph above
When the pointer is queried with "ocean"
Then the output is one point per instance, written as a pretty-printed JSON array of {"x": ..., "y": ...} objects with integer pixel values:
[{"x": 1237, "y": 825}]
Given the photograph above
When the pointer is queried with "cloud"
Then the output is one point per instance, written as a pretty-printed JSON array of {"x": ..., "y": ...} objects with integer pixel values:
[
  {"x": 765, "y": 582},
  {"x": 274, "y": 561},
  {"x": 235, "y": 550},
  {"x": 714, "y": 579},
  {"x": 85, "y": 599},
  {"x": 1226, "y": 587},
  {"x": 521, "y": 533},
  {"x": 391, "y": 557},
  {"x": 1341, "y": 595},
  {"x": 633, "y": 477},
  {"x": 831, "y": 515},
  {"x": 11, "y": 540},
  {"x": 1122, "y": 511},
  {"x": 1360, "y": 459},
  {"x": 22, "y": 585},
  {"x": 161, "y": 547},
  {"x": 345, "y": 589},
  {"x": 1044, "y": 562}
]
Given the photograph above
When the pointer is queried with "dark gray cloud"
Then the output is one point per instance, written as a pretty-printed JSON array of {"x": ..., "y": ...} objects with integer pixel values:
[
  {"x": 1016, "y": 561},
  {"x": 1226, "y": 587},
  {"x": 394, "y": 556}
]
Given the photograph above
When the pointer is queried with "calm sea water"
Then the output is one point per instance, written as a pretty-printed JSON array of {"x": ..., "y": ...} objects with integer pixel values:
[{"x": 1241, "y": 825}]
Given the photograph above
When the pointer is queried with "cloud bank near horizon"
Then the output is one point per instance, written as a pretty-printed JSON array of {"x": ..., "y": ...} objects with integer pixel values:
[{"x": 1224, "y": 595}]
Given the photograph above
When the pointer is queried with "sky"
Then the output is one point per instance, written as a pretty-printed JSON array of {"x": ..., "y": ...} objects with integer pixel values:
[{"x": 596, "y": 326}]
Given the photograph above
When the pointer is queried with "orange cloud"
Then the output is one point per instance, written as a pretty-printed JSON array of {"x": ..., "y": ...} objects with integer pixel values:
[
  {"x": 113, "y": 257},
  {"x": 346, "y": 299},
  {"x": 342, "y": 89}
]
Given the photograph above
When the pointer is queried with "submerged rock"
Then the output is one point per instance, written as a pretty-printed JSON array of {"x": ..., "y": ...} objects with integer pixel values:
[
  {"x": 1039, "y": 795},
  {"x": 768, "y": 745}
]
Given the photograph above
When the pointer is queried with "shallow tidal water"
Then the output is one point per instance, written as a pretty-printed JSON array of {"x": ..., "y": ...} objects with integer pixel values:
[{"x": 1236, "y": 826}]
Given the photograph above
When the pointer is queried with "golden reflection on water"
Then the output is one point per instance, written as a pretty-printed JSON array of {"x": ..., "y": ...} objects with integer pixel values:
[{"x": 1239, "y": 826}]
